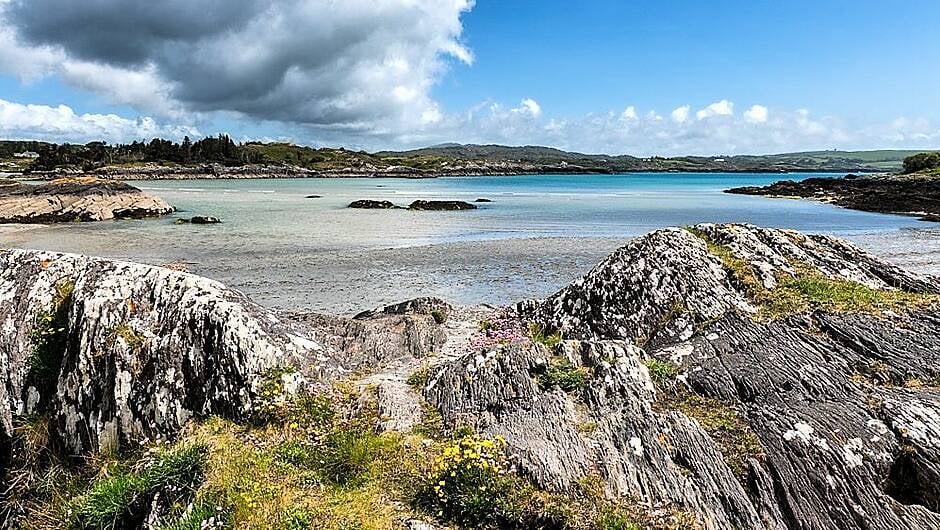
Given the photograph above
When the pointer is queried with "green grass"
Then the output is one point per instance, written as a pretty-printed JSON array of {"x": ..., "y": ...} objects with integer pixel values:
[
  {"x": 123, "y": 494},
  {"x": 540, "y": 335},
  {"x": 563, "y": 374},
  {"x": 810, "y": 290},
  {"x": 661, "y": 372}
]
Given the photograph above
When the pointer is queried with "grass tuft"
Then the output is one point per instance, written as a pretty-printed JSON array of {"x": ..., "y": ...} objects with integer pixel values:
[
  {"x": 563, "y": 374},
  {"x": 540, "y": 335},
  {"x": 809, "y": 290}
]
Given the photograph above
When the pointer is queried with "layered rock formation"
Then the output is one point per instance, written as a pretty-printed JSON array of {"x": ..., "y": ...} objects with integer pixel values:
[
  {"x": 76, "y": 199},
  {"x": 755, "y": 378},
  {"x": 910, "y": 194}
]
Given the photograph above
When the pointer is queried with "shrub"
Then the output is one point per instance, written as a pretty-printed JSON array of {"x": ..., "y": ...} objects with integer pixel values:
[
  {"x": 439, "y": 315},
  {"x": 469, "y": 483},
  {"x": 418, "y": 379},
  {"x": 921, "y": 162}
]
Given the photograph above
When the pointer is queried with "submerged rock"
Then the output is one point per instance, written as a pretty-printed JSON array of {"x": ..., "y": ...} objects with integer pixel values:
[
  {"x": 755, "y": 378},
  {"x": 483, "y": 200},
  {"x": 76, "y": 199}
]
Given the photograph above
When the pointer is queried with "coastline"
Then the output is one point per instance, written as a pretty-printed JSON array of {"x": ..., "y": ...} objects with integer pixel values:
[{"x": 467, "y": 273}]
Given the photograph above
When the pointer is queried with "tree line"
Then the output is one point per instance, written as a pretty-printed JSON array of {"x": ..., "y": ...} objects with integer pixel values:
[
  {"x": 922, "y": 162},
  {"x": 220, "y": 149}
]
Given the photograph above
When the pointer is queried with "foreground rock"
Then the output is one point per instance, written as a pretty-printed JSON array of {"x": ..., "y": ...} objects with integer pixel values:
[
  {"x": 751, "y": 378},
  {"x": 909, "y": 194},
  {"x": 76, "y": 199}
]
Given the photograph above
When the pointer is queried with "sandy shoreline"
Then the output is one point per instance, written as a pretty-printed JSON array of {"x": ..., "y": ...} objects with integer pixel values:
[{"x": 493, "y": 271}]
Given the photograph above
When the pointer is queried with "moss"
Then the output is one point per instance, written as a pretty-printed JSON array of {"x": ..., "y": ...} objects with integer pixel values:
[
  {"x": 134, "y": 340},
  {"x": 418, "y": 379},
  {"x": 49, "y": 338},
  {"x": 808, "y": 289},
  {"x": 563, "y": 374},
  {"x": 731, "y": 433},
  {"x": 661, "y": 372},
  {"x": 935, "y": 381},
  {"x": 540, "y": 335},
  {"x": 587, "y": 427}
]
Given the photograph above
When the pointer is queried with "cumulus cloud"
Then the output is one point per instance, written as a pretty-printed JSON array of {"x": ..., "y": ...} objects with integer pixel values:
[
  {"x": 529, "y": 106},
  {"x": 629, "y": 113},
  {"x": 681, "y": 114},
  {"x": 62, "y": 124},
  {"x": 756, "y": 114},
  {"x": 355, "y": 64},
  {"x": 650, "y": 134},
  {"x": 718, "y": 108}
]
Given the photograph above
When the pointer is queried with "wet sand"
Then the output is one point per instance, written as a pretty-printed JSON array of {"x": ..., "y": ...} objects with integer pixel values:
[{"x": 496, "y": 272}]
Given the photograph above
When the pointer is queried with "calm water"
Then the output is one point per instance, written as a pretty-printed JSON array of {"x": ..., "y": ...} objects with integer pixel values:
[{"x": 293, "y": 252}]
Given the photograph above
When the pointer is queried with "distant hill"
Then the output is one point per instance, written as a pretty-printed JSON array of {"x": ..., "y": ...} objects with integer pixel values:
[{"x": 443, "y": 159}]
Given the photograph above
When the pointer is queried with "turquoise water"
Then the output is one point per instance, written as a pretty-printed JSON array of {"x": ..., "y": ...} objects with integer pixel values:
[{"x": 292, "y": 251}]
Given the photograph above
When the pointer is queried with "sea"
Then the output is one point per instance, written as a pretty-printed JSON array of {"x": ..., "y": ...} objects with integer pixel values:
[{"x": 292, "y": 251}]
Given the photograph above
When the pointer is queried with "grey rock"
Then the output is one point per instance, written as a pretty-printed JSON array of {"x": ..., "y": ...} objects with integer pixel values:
[{"x": 368, "y": 204}]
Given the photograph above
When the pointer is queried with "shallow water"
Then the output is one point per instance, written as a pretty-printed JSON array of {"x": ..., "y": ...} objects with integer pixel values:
[{"x": 292, "y": 252}]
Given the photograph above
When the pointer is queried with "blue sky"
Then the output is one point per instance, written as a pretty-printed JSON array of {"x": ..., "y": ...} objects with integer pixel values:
[{"x": 602, "y": 76}]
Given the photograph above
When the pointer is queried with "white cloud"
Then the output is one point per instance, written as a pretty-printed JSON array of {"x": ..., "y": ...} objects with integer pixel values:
[
  {"x": 681, "y": 114},
  {"x": 62, "y": 124},
  {"x": 629, "y": 113},
  {"x": 718, "y": 108},
  {"x": 756, "y": 114},
  {"x": 529, "y": 106},
  {"x": 650, "y": 134}
]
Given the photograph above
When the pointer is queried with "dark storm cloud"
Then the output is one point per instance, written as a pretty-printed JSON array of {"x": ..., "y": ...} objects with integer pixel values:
[
  {"x": 321, "y": 62},
  {"x": 126, "y": 32}
]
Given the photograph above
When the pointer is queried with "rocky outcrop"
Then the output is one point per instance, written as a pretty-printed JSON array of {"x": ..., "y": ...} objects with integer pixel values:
[
  {"x": 756, "y": 378},
  {"x": 909, "y": 194},
  {"x": 76, "y": 199},
  {"x": 116, "y": 353},
  {"x": 823, "y": 418},
  {"x": 441, "y": 206}
]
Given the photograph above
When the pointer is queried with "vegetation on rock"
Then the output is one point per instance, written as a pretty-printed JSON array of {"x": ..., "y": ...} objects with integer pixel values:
[{"x": 808, "y": 289}]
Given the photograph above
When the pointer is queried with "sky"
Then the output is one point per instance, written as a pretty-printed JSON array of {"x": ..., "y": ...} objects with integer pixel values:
[{"x": 646, "y": 78}]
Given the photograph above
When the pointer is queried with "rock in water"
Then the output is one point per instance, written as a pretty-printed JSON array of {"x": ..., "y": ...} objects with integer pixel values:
[
  {"x": 76, "y": 199},
  {"x": 205, "y": 220},
  {"x": 441, "y": 205},
  {"x": 368, "y": 204}
]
